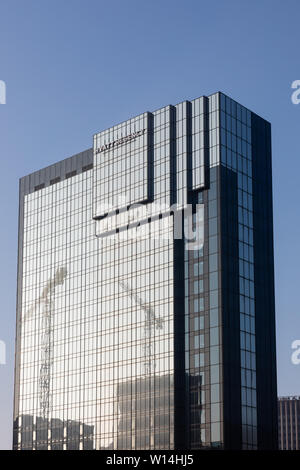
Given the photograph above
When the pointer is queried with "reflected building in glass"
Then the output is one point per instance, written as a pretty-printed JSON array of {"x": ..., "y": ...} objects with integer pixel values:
[{"x": 145, "y": 304}]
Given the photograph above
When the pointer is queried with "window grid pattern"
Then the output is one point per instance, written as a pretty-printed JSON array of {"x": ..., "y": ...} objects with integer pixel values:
[
  {"x": 97, "y": 312},
  {"x": 236, "y": 155},
  {"x": 198, "y": 143},
  {"x": 196, "y": 346},
  {"x": 121, "y": 171},
  {"x": 89, "y": 346},
  {"x": 182, "y": 137},
  {"x": 162, "y": 180}
]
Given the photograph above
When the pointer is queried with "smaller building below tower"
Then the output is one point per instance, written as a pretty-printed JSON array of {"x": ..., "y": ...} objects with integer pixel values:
[{"x": 289, "y": 423}]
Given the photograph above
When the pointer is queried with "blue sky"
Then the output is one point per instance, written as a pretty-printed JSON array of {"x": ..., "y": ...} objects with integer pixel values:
[{"x": 75, "y": 67}]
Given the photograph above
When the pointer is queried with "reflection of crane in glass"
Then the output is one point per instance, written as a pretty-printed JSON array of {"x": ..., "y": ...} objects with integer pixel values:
[
  {"x": 47, "y": 303},
  {"x": 151, "y": 322}
]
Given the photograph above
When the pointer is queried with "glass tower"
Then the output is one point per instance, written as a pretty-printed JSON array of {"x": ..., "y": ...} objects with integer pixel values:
[{"x": 145, "y": 301}]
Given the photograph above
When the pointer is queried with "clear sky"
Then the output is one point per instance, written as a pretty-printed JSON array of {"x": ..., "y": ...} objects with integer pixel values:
[{"x": 75, "y": 67}]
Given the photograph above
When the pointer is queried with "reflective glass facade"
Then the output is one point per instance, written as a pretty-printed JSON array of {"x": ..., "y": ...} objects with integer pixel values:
[{"x": 145, "y": 307}]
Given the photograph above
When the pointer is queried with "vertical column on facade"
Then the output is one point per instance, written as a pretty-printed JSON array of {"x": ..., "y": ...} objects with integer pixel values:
[
  {"x": 214, "y": 278},
  {"x": 196, "y": 283}
]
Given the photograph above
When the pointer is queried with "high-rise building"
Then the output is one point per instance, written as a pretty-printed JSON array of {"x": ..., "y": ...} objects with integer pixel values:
[
  {"x": 145, "y": 306},
  {"x": 289, "y": 423}
]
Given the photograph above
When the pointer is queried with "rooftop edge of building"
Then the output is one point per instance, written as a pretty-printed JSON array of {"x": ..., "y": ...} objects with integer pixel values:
[
  {"x": 289, "y": 398},
  {"x": 70, "y": 166},
  {"x": 174, "y": 105},
  {"x": 78, "y": 162}
]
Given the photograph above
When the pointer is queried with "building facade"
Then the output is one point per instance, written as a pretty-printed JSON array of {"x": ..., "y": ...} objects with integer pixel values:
[
  {"x": 145, "y": 305},
  {"x": 289, "y": 423}
]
